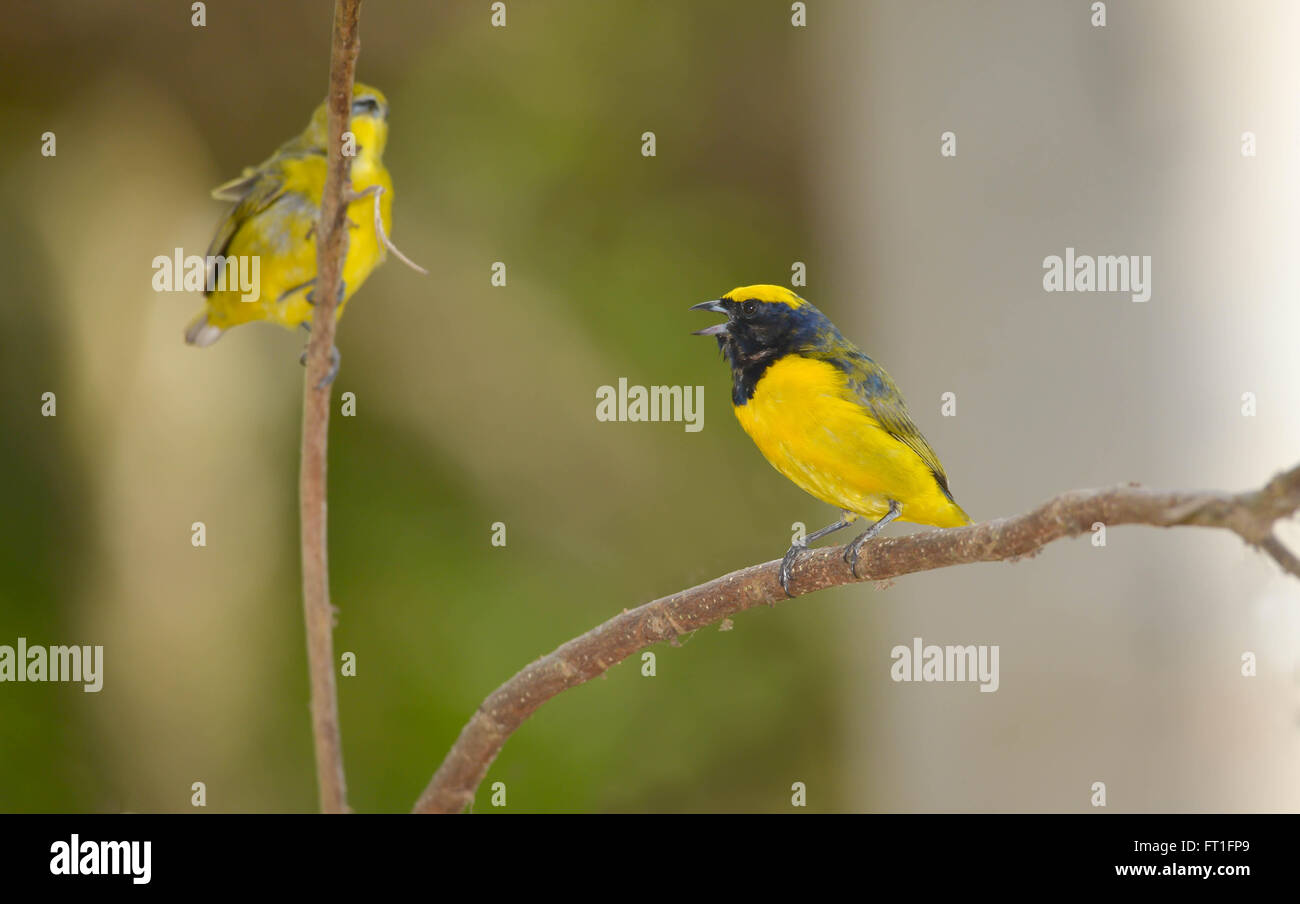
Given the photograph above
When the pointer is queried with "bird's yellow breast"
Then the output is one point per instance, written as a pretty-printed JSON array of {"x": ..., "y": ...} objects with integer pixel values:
[{"x": 809, "y": 425}]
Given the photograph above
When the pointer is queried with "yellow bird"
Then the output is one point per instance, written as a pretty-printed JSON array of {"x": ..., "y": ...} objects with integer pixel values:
[
  {"x": 827, "y": 417},
  {"x": 277, "y": 205}
]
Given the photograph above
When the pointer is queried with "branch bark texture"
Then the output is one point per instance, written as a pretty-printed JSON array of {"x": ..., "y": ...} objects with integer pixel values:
[
  {"x": 331, "y": 249},
  {"x": 1250, "y": 515}
]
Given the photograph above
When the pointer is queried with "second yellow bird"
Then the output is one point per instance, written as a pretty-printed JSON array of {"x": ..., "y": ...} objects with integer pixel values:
[
  {"x": 274, "y": 219},
  {"x": 827, "y": 417}
]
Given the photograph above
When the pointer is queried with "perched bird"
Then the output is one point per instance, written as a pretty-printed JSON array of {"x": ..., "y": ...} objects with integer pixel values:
[
  {"x": 827, "y": 417},
  {"x": 276, "y": 206}
]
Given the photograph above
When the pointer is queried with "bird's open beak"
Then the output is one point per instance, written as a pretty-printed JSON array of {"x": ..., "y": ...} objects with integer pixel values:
[{"x": 718, "y": 329}]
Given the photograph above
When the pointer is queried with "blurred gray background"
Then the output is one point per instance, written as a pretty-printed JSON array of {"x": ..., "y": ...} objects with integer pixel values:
[{"x": 1119, "y": 664}]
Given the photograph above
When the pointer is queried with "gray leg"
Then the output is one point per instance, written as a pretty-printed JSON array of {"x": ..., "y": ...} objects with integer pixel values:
[
  {"x": 854, "y": 548},
  {"x": 792, "y": 553}
]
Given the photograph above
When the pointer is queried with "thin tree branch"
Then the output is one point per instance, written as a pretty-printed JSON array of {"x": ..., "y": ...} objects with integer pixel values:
[
  {"x": 1250, "y": 515},
  {"x": 331, "y": 249}
]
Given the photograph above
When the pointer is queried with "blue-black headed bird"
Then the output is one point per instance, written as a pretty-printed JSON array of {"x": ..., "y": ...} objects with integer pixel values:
[{"x": 827, "y": 417}]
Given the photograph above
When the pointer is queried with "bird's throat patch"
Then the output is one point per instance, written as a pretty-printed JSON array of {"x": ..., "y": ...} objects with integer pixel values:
[{"x": 745, "y": 376}]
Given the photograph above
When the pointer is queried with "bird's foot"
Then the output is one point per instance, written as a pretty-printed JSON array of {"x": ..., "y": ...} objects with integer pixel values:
[
  {"x": 787, "y": 563},
  {"x": 335, "y": 359},
  {"x": 333, "y": 372},
  {"x": 854, "y": 549},
  {"x": 311, "y": 293}
]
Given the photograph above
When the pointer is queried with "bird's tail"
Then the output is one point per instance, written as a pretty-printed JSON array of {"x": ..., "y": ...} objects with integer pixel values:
[
  {"x": 962, "y": 518},
  {"x": 202, "y": 333},
  {"x": 955, "y": 516}
]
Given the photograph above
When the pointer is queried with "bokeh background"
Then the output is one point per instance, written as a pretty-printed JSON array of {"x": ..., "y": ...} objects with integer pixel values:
[{"x": 476, "y": 404}]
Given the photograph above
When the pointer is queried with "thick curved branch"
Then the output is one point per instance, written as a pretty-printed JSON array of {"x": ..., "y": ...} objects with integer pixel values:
[
  {"x": 331, "y": 249},
  {"x": 1250, "y": 515}
]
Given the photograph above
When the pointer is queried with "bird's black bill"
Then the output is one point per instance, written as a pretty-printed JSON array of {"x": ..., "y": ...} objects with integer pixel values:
[{"x": 718, "y": 329}]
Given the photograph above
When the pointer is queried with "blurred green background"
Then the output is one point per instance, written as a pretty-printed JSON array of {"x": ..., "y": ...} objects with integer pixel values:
[{"x": 475, "y": 404}]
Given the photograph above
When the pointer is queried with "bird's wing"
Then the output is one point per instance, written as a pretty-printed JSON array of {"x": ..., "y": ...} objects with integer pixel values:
[
  {"x": 874, "y": 389},
  {"x": 252, "y": 193},
  {"x": 238, "y": 188}
]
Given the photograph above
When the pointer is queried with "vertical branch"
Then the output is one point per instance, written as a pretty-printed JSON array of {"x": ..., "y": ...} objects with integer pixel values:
[{"x": 331, "y": 248}]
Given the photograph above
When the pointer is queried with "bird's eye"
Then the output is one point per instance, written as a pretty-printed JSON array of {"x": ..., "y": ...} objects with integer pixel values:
[
  {"x": 365, "y": 106},
  {"x": 748, "y": 308}
]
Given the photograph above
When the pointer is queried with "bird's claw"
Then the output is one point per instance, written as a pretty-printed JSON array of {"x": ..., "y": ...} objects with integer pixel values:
[
  {"x": 787, "y": 563},
  {"x": 311, "y": 293},
  {"x": 333, "y": 372},
  {"x": 853, "y": 550}
]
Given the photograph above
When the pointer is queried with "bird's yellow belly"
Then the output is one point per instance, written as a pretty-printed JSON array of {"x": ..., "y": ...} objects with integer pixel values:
[{"x": 805, "y": 421}]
